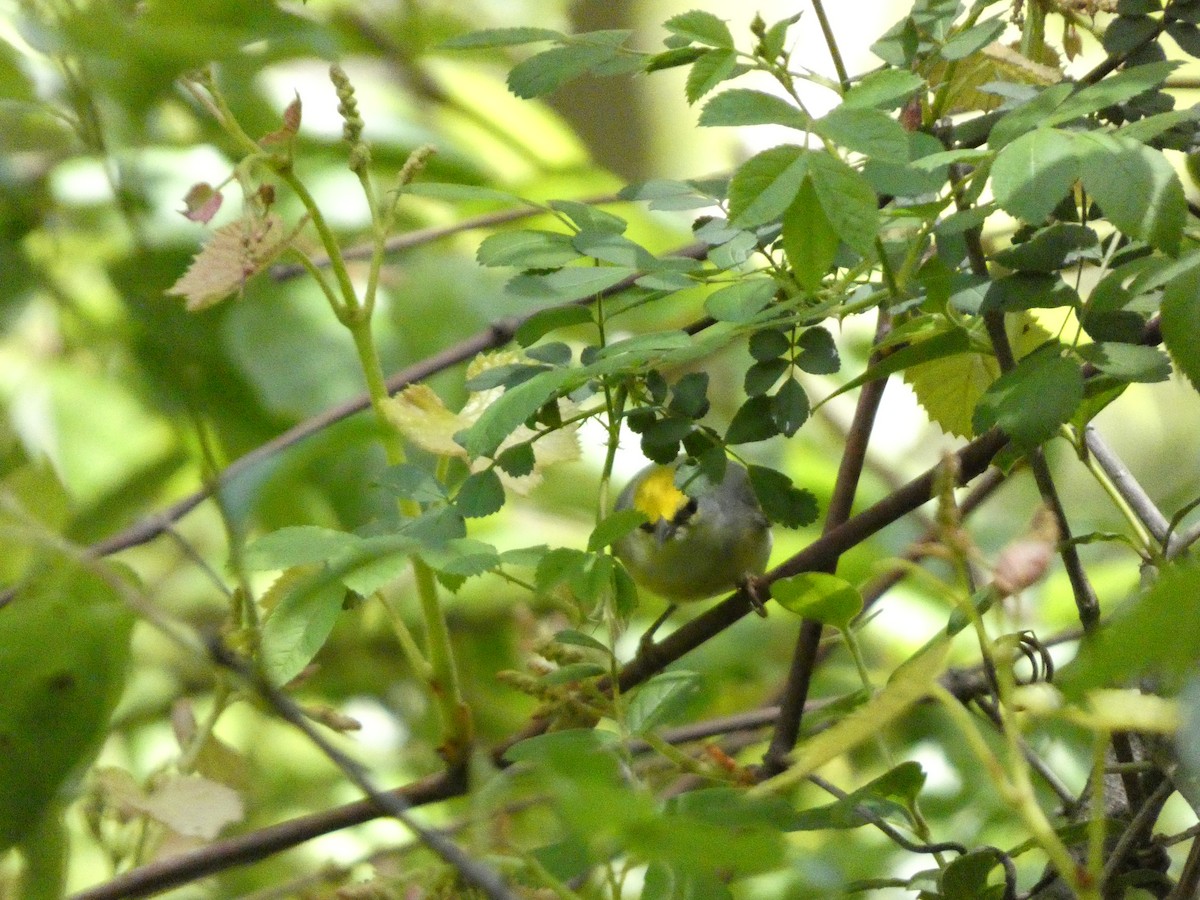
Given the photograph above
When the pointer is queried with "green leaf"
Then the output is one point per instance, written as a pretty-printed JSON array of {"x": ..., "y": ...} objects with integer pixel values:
[
  {"x": 660, "y": 441},
  {"x": 752, "y": 422},
  {"x": 769, "y": 343},
  {"x": 462, "y": 557},
  {"x": 808, "y": 238},
  {"x": 1154, "y": 633},
  {"x": 545, "y": 72},
  {"x": 297, "y": 545},
  {"x": 1116, "y": 88},
  {"x": 966, "y": 878},
  {"x": 573, "y": 673},
  {"x": 589, "y": 217},
  {"x": 453, "y": 191},
  {"x": 501, "y": 37},
  {"x": 1028, "y": 290},
  {"x": 907, "y": 686},
  {"x": 668, "y": 194},
  {"x": 972, "y": 40},
  {"x": 614, "y": 527},
  {"x": 1181, "y": 324},
  {"x": 765, "y": 185},
  {"x": 64, "y": 652},
  {"x": 781, "y": 501},
  {"x": 689, "y": 395},
  {"x": 953, "y": 342},
  {"x": 613, "y": 248},
  {"x": 1136, "y": 187},
  {"x": 1029, "y": 115},
  {"x": 1149, "y": 128},
  {"x": 848, "y": 200},
  {"x": 886, "y": 89},
  {"x": 1126, "y": 33},
  {"x": 572, "y": 283},
  {"x": 1032, "y": 400},
  {"x": 871, "y": 132},
  {"x": 1050, "y": 249},
  {"x": 480, "y": 495},
  {"x": 1032, "y": 174},
  {"x": 670, "y": 59},
  {"x": 408, "y": 481},
  {"x": 569, "y": 744},
  {"x": 742, "y": 106},
  {"x": 1128, "y": 362},
  {"x": 300, "y": 623},
  {"x": 818, "y": 596},
  {"x": 708, "y": 71},
  {"x": 789, "y": 407},
  {"x": 762, "y": 376},
  {"x": 510, "y": 411},
  {"x": 818, "y": 354},
  {"x": 741, "y": 301},
  {"x": 573, "y": 638},
  {"x": 700, "y": 27},
  {"x": 517, "y": 460},
  {"x": 661, "y": 700},
  {"x": 545, "y": 321},
  {"x": 892, "y": 794},
  {"x": 527, "y": 249}
]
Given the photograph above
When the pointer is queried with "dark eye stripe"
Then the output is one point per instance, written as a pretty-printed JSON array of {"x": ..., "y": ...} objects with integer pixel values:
[{"x": 686, "y": 512}]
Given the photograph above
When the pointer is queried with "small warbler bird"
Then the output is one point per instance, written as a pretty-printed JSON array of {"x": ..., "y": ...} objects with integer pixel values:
[{"x": 695, "y": 543}]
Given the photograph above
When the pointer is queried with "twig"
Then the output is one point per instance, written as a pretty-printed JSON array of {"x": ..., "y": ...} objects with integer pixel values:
[
  {"x": 1189, "y": 879},
  {"x": 973, "y": 459},
  {"x": 476, "y": 873},
  {"x": 1085, "y": 597},
  {"x": 808, "y": 642},
  {"x": 1138, "y": 828},
  {"x": 174, "y": 871},
  {"x": 1128, "y": 487},
  {"x": 869, "y": 815}
]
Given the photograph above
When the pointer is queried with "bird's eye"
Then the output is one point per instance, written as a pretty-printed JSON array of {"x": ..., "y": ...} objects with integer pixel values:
[
  {"x": 647, "y": 527},
  {"x": 686, "y": 511}
]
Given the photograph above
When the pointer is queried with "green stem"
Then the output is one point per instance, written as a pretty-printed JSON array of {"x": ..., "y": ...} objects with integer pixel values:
[
  {"x": 408, "y": 643},
  {"x": 831, "y": 43},
  {"x": 443, "y": 673},
  {"x": 1018, "y": 792}
]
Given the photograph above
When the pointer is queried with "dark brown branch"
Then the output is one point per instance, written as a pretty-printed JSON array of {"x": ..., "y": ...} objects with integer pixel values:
[
  {"x": 808, "y": 642},
  {"x": 174, "y": 871},
  {"x": 973, "y": 459}
]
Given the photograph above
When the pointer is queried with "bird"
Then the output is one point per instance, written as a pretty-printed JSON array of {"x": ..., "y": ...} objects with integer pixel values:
[{"x": 698, "y": 539}]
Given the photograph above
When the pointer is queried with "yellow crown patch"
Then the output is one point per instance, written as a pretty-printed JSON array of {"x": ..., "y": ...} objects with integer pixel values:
[{"x": 657, "y": 497}]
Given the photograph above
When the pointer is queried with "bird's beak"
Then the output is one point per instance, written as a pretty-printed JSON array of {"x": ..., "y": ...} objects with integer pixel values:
[{"x": 663, "y": 531}]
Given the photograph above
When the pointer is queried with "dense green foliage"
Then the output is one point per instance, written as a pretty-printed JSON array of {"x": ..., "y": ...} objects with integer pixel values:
[{"x": 350, "y": 563}]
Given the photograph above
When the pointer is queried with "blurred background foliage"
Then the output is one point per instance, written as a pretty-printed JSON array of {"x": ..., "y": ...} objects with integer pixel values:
[{"x": 105, "y": 383}]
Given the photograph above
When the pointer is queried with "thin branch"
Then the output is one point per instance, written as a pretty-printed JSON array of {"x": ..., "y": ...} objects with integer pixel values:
[
  {"x": 244, "y": 849},
  {"x": 1138, "y": 829},
  {"x": 973, "y": 459},
  {"x": 1128, "y": 487},
  {"x": 1085, "y": 597},
  {"x": 808, "y": 642},
  {"x": 869, "y": 815},
  {"x": 1189, "y": 879},
  {"x": 476, "y": 873},
  {"x": 831, "y": 42}
]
